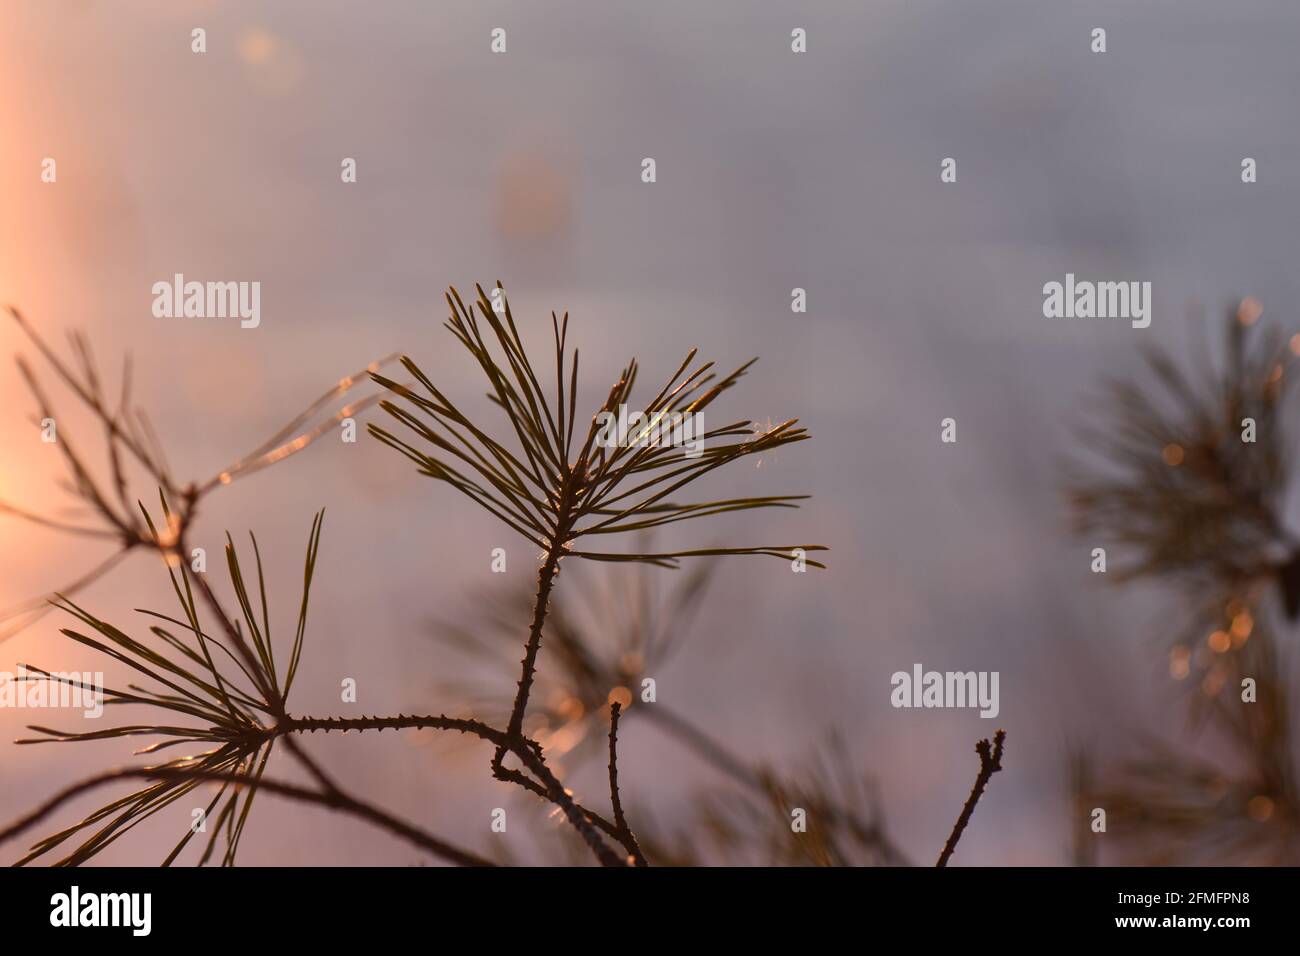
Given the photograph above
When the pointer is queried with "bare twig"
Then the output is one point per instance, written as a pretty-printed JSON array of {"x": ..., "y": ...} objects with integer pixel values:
[
  {"x": 990, "y": 763},
  {"x": 129, "y": 436},
  {"x": 529, "y": 752},
  {"x": 545, "y": 581},
  {"x": 620, "y": 821},
  {"x": 332, "y": 799}
]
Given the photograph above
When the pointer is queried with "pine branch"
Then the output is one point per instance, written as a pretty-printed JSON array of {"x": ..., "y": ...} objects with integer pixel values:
[
  {"x": 990, "y": 763},
  {"x": 129, "y": 437},
  {"x": 552, "y": 498},
  {"x": 333, "y": 799},
  {"x": 224, "y": 693}
]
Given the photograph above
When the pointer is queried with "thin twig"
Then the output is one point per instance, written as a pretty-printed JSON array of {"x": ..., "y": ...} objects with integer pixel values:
[
  {"x": 334, "y": 800},
  {"x": 327, "y": 783},
  {"x": 545, "y": 581},
  {"x": 585, "y": 821},
  {"x": 620, "y": 821},
  {"x": 990, "y": 763}
]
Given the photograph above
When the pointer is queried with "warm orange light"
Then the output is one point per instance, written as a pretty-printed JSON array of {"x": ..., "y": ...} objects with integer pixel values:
[
  {"x": 1179, "y": 662},
  {"x": 1259, "y": 808},
  {"x": 257, "y": 46},
  {"x": 1242, "y": 625},
  {"x": 620, "y": 695},
  {"x": 1173, "y": 455},
  {"x": 570, "y": 707},
  {"x": 1249, "y": 311},
  {"x": 1220, "y": 642}
]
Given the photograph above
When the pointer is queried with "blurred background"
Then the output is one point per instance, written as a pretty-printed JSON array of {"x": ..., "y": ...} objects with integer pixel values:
[{"x": 775, "y": 171}]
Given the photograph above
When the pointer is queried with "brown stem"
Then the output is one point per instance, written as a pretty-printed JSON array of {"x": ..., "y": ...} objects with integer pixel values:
[
  {"x": 990, "y": 763},
  {"x": 333, "y": 800},
  {"x": 528, "y": 751},
  {"x": 585, "y": 821},
  {"x": 297, "y": 725},
  {"x": 620, "y": 821},
  {"x": 327, "y": 783},
  {"x": 329, "y": 788},
  {"x": 513, "y": 741},
  {"x": 545, "y": 582}
]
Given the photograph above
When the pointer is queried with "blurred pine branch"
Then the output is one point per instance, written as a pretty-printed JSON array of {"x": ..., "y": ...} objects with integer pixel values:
[{"x": 1185, "y": 501}]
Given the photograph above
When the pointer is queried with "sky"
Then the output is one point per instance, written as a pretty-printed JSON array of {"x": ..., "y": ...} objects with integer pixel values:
[{"x": 774, "y": 171}]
